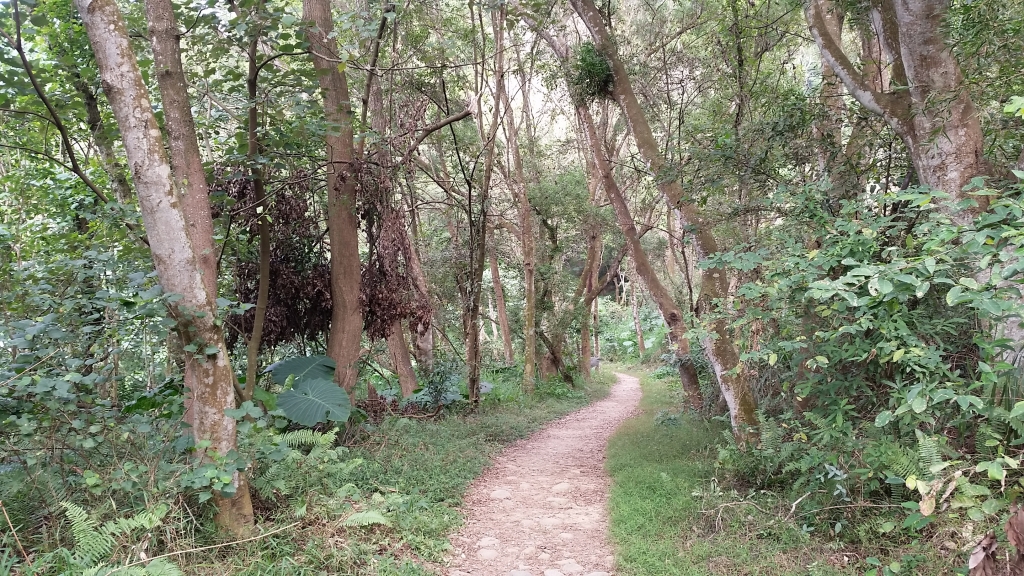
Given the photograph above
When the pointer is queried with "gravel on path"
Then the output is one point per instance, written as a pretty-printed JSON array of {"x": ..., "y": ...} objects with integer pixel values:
[{"x": 541, "y": 508}]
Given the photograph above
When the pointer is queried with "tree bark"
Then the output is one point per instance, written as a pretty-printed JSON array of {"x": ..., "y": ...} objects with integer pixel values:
[
  {"x": 719, "y": 345},
  {"x": 343, "y": 342},
  {"x": 252, "y": 354},
  {"x": 478, "y": 223},
  {"x": 641, "y": 346},
  {"x": 928, "y": 105},
  {"x": 499, "y": 300},
  {"x": 178, "y": 261},
  {"x": 398, "y": 349},
  {"x": 527, "y": 238},
  {"x": 669, "y": 309}
]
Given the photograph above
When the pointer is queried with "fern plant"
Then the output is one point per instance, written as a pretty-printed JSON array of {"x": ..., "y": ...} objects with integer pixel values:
[
  {"x": 95, "y": 546},
  {"x": 298, "y": 466}
]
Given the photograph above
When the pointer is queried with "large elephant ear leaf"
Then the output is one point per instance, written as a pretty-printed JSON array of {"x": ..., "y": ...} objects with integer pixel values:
[
  {"x": 314, "y": 401},
  {"x": 303, "y": 368}
]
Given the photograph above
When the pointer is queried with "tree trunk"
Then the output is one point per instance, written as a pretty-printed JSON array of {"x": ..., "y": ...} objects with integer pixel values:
[
  {"x": 928, "y": 106},
  {"x": 499, "y": 298},
  {"x": 478, "y": 223},
  {"x": 635, "y": 303},
  {"x": 178, "y": 261},
  {"x": 719, "y": 344},
  {"x": 399, "y": 352},
  {"x": 186, "y": 161},
  {"x": 343, "y": 343},
  {"x": 669, "y": 310},
  {"x": 527, "y": 239},
  {"x": 252, "y": 354},
  {"x": 422, "y": 334}
]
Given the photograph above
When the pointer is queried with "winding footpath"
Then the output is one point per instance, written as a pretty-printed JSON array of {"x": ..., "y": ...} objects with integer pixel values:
[{"x": 541, "y": 509}]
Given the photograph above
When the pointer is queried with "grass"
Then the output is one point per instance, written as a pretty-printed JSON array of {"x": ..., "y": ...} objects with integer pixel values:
[
  {"x": 671, "y": 516},
  {"x": 417, "y": 470}
]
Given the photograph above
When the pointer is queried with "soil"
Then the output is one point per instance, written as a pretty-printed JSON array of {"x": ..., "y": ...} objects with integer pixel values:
[{"x": 541, "y": 508}]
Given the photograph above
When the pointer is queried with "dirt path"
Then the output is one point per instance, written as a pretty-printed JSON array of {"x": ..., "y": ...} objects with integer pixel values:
[{"x": 541, "y": 508}]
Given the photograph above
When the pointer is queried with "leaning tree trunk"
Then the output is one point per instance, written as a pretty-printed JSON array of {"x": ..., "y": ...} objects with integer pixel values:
[
  {"x": 719, "y": 345},
  {"x": 176, "y": 257},
  {"x": 669, "y": 309},
  {"x": 343, "y": 225}
]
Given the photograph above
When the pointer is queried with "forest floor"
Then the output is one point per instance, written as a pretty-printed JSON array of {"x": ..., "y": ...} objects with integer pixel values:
[{"x": 541, "y": 508}]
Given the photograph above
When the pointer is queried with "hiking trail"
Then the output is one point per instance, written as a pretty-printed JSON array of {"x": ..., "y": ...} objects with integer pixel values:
[{"x": 541, "y": 508}]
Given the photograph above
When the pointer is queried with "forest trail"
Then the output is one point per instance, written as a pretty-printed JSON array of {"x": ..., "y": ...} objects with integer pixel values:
[{"x": 541, "y": 509}]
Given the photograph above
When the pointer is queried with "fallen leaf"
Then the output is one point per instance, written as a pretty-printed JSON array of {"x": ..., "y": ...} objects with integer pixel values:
[{"x": 983, "y": 562}]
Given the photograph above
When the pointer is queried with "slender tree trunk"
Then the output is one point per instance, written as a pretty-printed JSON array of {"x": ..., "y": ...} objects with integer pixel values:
[
  {"x": 178, "y": 261},
  {"x": 478, "y": 237},
  {"x": 669, "y": 309},
  {"x": 719, "y": 345},
  {"x": 422, "y": 334},
  {"x": 343, "y": 343},
  {"x": 640, "y": 345},
  {"x": 398, "y": 349},
  {"x": 263, "y": 225},
  {"x": 499, "y": 298},
  {"x": 527, "y": 238},
  {"x": 104, "y": 143}
]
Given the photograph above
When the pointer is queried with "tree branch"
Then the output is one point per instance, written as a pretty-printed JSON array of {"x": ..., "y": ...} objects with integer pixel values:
[{"x": 833, "y": 54}]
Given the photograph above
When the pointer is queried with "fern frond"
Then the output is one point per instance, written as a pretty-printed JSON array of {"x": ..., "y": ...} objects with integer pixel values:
[
  {"x": 91, "y": 543},
  {"x": 367, "y": 518}
]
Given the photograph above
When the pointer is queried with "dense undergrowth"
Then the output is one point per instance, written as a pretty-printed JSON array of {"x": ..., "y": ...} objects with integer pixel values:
[
  {"x": 678, "y": 508},
  {"x": 378, "y": 501}
]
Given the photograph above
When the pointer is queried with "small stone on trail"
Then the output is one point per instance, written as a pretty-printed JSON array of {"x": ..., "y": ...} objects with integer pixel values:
[
  {"x": 520, "y": 573},
  {"x": 544, "y": 556},
  {"x": 553, "y": 573},
  {"x": 487, "y": 554},
  {"x": 487, "y": 542},
  {"x": 501, "y": 494},
  {"x": 565, "y": 536},
  {"x": 529, "y": 551},
  {"x": 561, "y": 487},
  {"x": 528, "y": 523},
  {"x": 572, "y": 568},
  {"x": 549, "y": 522},
  {"x": 558, "y": 501}
]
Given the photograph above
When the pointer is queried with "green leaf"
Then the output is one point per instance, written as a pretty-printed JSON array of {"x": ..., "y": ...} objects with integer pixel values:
[
  {"x": 883, "y": 418},
  {"x": 922, "y": 289},
  {"x": 303, "y": 368},
  {"x": 268, "y": 399},
  {"x": 919, "y": 404},
  {"x": 313, "y": 401},
  {"x": 953, "y": 296},
  {"x": 366, "y": 518},
  {"x": 898, "y": 354}
]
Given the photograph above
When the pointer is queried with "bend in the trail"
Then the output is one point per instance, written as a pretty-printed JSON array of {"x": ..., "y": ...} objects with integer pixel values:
[{"x": 541, "y": 509}]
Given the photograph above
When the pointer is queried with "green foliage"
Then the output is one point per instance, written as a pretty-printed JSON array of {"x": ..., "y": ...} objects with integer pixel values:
[
  {"x": 300, "y": 466},
  {"x": 303, "y": 368},
  {"x": 905, "y": 402},
  {"x": 590, "y": 75},
  {"x": 312, "y": 401},
  {"x": 671, "y": 513}
]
